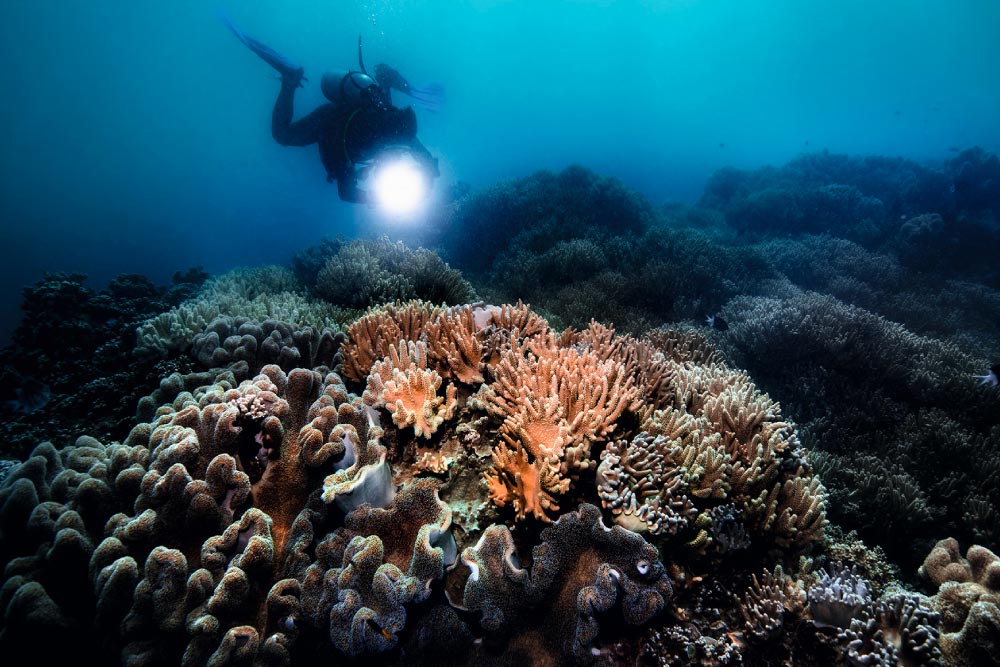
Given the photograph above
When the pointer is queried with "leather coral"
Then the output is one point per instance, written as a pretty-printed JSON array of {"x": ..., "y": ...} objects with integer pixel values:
[
  {"x": 555, "y": 402},
  {"x": 408, "y": 389}
]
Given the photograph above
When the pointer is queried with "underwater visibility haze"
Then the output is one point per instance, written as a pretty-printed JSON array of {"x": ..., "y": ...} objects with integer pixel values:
[{"x": 687, "y": 353}]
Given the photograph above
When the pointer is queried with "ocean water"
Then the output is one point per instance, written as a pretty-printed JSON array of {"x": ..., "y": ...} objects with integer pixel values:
[
  {"x": 787, "y": 450},
  {"x": 136, "y": 135}
]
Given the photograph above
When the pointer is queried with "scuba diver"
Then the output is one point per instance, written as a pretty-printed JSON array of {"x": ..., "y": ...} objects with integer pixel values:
[{"x": 358, "y": 128}]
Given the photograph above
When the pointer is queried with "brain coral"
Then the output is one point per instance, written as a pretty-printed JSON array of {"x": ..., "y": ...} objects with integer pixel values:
[{"x": 296, "y": 517}]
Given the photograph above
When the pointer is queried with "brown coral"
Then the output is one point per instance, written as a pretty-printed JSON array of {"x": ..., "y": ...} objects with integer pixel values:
[
  {"x": 968, "y": 600},
  {"x": 769, "y": 603},
  {"x": 724, "y": 441}
]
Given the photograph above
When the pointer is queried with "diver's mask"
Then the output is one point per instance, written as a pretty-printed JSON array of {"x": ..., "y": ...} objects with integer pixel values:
[{"x": 353, "y": 89}]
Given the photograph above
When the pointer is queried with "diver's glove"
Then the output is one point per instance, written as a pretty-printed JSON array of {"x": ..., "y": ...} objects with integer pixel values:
[{"x": 293, "y": 77}]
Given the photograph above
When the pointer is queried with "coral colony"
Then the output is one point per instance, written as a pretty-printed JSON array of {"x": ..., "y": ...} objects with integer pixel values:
[{"x": 472, "y": 487}]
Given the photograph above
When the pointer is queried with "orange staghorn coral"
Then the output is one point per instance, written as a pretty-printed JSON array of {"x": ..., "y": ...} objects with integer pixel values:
[
  {"x": 593, "y": 393},
  {"x": 526, "y": 485},
  {"x": 555, "y": 402},
  {"x": 408, "y": 389},
  {"x": 371, "y": 336},
  {"x": 518, "y": 316},
  {"x": 504, "y": 325},
  {"x": 641, "y": 359},
  {"x": 682, "y": 345},
  {"x": 453, "y": 342}
]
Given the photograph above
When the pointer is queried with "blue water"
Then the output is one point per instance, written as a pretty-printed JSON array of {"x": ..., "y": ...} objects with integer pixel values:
[{"x": 136, "y": 135}]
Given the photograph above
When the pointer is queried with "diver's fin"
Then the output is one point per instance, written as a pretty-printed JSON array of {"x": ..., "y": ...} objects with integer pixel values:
[
  {"x": 430, "y": 97},
  {"x": 286, "y": 67}
]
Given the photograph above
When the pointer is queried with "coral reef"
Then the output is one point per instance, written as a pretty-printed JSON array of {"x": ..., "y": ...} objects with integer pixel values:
[
  {"x": 904, "y": 430},
  {"x": 362, "y": 274},
  {"x": 69, "y": 367},
  {"x": 470, "y": 484},
  {"x": 283, "y": 518}
]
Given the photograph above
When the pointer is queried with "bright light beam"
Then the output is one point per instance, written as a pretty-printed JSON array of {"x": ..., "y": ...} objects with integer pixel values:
[{"x": 399, "y": 186}]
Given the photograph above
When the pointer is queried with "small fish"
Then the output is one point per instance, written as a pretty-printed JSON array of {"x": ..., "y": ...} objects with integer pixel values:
[
  {"x": 991, "y": 379},
  {"x": 722, "y": 144},
  {"x": 382, "y": 631},
  {"x": 716, "y": 322}
]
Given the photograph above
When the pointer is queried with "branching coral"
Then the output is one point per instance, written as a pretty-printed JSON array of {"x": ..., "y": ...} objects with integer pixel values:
[
  {"x": 371, "y": 336},
  {"x": 838, "y": 597},
  {"x": 733, "y": 446},
  {"x": 554, "y": 402},
  {"x": 900, "y": 630},
  {"x": 769, "y": 603},
  {"x": 904, "y": 430},
  {"x": 365, "y": 273},
  {"x": 453, "y": 339},
  {"x": 408, "y": 389}
]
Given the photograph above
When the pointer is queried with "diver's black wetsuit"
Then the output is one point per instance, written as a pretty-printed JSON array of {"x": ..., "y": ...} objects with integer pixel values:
[{"x": 348, "y": 135}]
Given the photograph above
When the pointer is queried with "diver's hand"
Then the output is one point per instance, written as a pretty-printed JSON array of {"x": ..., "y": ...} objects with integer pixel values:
[{"x": 293, "y": 78}]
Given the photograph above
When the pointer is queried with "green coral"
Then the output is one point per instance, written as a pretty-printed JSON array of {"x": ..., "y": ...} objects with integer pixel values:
[{"x": 367, "y": 273}]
